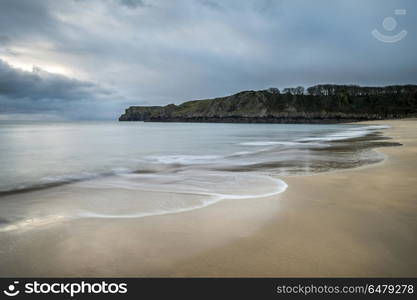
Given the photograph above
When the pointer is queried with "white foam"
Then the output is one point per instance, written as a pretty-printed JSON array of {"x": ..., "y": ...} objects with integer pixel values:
[
  {"x": 212, "y": 198},
  {"x": 68, "y": 177},
  {"x": 269, "y": 143},
  {"x": 258, "y": 150},
  {"x": 346, "y": 134},
  {"x": 184, "y": 159},
  {"x": 372, "y": 127}
]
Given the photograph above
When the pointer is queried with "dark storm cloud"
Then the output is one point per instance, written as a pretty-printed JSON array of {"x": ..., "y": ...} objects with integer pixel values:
[
  {"x": 42, "y": 92},
  {"x": 39, "y": 84},
  {"x": 159, "y": 52}
]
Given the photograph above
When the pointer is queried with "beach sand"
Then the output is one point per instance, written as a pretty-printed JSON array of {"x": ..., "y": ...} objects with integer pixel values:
[{"x": 357, "y": 223}]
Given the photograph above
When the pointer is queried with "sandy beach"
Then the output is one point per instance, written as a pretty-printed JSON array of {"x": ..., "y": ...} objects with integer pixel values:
[{"x": 359, "y": 222}]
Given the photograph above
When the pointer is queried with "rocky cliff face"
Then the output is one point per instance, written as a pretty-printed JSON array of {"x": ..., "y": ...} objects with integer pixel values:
[{"x": 318, "y": 104}]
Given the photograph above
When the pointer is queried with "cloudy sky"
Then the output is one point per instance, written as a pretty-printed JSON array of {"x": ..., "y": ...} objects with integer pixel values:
[{"x": 90, "y": 59}]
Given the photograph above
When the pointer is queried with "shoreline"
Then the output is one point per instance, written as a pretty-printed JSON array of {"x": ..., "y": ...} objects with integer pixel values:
[
  {"x": 352, "y": 222},
  {"x": 262, "y": 266},
  {"x": 390, "y": 245}
]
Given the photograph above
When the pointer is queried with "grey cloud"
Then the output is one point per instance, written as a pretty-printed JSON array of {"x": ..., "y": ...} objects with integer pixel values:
[
  {"x": 212, "y": 4},
  {"x": 39, "y": 92},
  {"x": 178, "y": 50},
  {"x": 4, "y": 39},
  {"x": 39, "y": 84},
  {"x": 23, "y": 18},
  {"x": 132, "y": 3}
]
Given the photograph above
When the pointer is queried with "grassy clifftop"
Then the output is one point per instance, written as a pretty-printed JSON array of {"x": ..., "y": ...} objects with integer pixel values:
[{"x": 317, "y": 104}]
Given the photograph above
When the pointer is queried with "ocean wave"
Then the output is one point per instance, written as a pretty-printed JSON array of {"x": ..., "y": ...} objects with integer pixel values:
[
  {"x": 142, "y": 195},
  {"x": 48, "y": 182},
  {"x": 247, "y": 153},
  {"x": 269, "y": 143},
  {"x": 181, "y": 181},
  {"x": 184, "y": 159},
  {"x": 351, "y": 133},
  {"x": 264, "y": 150},
  {"x": 372, "y": 127},
  {"x": 191, "y": 184}
]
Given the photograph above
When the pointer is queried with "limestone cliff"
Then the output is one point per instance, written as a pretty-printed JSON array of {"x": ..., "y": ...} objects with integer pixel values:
[{"x": 317, "y": 104}]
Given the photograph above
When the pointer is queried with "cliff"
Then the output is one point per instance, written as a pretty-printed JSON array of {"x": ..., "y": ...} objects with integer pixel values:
[{"x": 317, "y": 104}]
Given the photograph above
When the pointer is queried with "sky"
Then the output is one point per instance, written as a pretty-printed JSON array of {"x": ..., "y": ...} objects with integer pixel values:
[{"x": 91, "y": 59}]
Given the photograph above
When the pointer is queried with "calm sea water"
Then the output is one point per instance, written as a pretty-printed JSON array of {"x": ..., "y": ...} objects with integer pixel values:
[{"x": 53, "y": 170}]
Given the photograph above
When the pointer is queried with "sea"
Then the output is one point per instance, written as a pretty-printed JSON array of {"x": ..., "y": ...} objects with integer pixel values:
[{"x": 51, "y": 171}]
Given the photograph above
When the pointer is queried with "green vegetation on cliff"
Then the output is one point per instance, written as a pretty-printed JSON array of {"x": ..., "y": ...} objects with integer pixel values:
[{"x": 317, "y": 104}]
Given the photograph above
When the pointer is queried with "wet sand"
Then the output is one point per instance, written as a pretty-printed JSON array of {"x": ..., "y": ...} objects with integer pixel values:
[{"x": 359, "y": 222}]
